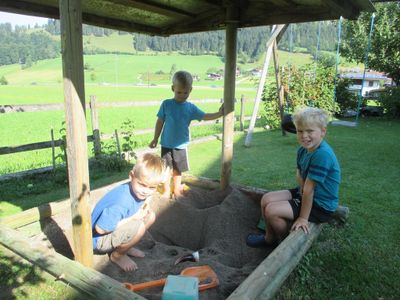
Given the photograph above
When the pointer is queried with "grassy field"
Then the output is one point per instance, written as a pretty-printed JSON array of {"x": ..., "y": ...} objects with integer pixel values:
[{"x": 358, "y": 260}]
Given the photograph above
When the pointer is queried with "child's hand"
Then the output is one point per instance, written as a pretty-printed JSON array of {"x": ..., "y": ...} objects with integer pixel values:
[
  {"x": 153, "y": 143},
  {"x": 300, "y": 223}
]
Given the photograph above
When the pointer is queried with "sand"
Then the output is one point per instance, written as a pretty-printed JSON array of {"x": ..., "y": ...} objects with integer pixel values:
[{"x": 215, "y": 223}]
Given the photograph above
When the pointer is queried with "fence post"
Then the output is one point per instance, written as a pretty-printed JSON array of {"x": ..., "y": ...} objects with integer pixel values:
[
  {"x": 53, "y": 155},
  {"x": 241, "y": 113},
  {"x": 117, "y": 141},
  {"x": 95, "y": 126}
]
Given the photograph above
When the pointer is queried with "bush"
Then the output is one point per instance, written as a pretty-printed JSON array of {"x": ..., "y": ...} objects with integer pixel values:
[
  {"x": 303, "y": 87},
  {"x": 3, "y": 81},
  {"x": 344, "y": 98},
  {"x": 390, "y": 100}
]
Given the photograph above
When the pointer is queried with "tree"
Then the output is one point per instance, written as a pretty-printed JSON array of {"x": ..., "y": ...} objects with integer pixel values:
[
  {"x": 3, "y": 81},
  {"x": 384, "y": 53}
]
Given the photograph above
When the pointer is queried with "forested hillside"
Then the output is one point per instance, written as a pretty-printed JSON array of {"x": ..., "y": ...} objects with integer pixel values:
[{"x": 26, "y": 45}]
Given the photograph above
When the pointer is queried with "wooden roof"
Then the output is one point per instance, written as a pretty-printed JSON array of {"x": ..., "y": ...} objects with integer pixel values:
[{"x": 166, "y": 17}]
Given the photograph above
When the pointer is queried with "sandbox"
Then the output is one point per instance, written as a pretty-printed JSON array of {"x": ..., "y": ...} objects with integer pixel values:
[{"x": 213, "y": 222}]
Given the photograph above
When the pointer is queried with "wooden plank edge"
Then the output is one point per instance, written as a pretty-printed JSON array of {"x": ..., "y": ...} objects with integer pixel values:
[
  {"x": 85, "y": 279},
  {"x": 267, "y": 278}
]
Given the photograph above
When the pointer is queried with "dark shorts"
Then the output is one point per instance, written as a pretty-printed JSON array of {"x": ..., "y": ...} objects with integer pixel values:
[
  {"x": 317, "y": 214},
  {"x": 176, "y": 158}
]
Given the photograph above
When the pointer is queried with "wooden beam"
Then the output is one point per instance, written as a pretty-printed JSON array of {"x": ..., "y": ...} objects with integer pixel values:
[
  {"x": 119, "y": 24},
  {"x": 74, "y": 99},
  {"x": 87, "y": 280},
  {"x": 274, "y": 33},
  {"x": 95, "y": 126},
  {"x": 155, "y": 7},
  {"x": 267, "y": 278},
  {"x": 279, "y": 86},
  {"x": 28, "y": 8},
  {"x": 229, "y": 95},
  {"x": 343, "y": 7},
  {"x": 205, "y": 21}
]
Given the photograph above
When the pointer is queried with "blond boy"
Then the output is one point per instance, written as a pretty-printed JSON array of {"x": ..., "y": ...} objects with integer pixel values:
[
  {"x": 318, "y": 176},
  {"x": 174, "y": 117},
  {"x": 122, "y": 216}
]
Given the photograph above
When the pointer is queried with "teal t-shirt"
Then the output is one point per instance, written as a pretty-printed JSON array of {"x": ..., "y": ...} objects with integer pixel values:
[
  {"x": 177, "y": 117},
  {"x": 321, "y": 166}
]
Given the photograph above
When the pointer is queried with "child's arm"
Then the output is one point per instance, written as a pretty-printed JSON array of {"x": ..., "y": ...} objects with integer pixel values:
[
  {"x": 157, "y": 132},
  {"x": 306, "y": 205},
  {"x": 300, "y": 181},
  {"x": 215, "y": 115}
]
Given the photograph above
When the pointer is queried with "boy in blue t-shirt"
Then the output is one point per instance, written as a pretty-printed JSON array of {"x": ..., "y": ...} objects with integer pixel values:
[
  {"x": 318, "y": 176},
  {"x": 122, "y": 216},
  {"x": 174, "y": 117}
]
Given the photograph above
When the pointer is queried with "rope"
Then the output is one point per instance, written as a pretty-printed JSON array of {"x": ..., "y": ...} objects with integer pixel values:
[
  {"x": 317, "y": 50},
  {"x": 289, "y": 66},
  {"x": 365, "y": 65},
  {"x": 337, "y": 61}
]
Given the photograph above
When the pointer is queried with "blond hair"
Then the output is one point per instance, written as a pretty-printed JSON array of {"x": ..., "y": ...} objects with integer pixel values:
[
  {"x": 182, "y": 78},
  {"x": 151, "y": 168},
  {"x": 310, "y": 116}
]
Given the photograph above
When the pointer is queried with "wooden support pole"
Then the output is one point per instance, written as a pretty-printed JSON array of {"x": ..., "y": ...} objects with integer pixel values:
[
  {"x": 242, "y": 113},
  {"x": 95, "y": 126},
  {"x": 93, "y": 283},
  {"x": 276, "y": 30},
  {"x": 117, "y": 143},
  {"x": 279, "y": 86},
  {"x": 229, "y": 94},
  {"x": 53, "y": 151},
  {"x": 74, "y": 100}
]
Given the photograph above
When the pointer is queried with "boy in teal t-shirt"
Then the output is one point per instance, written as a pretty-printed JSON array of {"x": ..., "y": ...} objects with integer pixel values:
[
  {"x": 173, "y": 120},
  {"x": 318, "y": 175}
]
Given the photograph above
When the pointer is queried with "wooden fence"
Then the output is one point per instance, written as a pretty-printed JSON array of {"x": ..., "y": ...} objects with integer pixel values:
[{"x": 96, "y": 137}]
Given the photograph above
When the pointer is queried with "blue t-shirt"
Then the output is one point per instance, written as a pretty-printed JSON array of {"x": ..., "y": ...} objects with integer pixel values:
[
  {"x": 321, "y": 166},
  {"x": 177, "y": 117},
  {"x": 117, "y": 204}
]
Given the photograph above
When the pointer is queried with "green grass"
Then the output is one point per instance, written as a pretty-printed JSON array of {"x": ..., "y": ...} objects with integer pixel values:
[
  {"x": 17, "y": 95},
  {"x": 358, "y": 260},
  {"x": 113, "y": 43}
]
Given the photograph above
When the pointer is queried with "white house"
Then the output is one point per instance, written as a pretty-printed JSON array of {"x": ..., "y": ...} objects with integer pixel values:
[{"x": 373, "y": 81}]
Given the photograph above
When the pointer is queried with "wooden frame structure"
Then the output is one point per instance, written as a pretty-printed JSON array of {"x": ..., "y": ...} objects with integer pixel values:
[
  {"x": 263, "y": 282},
  {"x": 160, "y": 17}
]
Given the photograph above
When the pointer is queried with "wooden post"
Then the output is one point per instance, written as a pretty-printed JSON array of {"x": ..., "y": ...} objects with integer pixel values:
[
  {"x": 117, "y": 142},
  {"x": 266, "y": 279},
  {"x": 95, "y": 284},
  {"x": 53, "y": 152},
  {"x": 275, "y": 31},
  {"x": 95, "y": 126},
  {"x": 242, "y": 113},
  {"x": 74, "y": 100},
  {"x": 279, "y": 86},
  {"x": 229, "y": 94}
]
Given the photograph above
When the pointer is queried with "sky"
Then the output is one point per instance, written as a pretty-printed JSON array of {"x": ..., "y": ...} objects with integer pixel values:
[{"x": 15, "y": 19}]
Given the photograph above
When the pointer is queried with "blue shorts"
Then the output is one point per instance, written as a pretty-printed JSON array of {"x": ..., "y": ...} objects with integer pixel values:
[{"x": 317, "y": 214}]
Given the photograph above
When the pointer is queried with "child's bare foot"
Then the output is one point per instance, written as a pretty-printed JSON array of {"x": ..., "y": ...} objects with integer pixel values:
[
  {"x": 123, "y": 261},
  {"x": 135, "y": 252}
]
